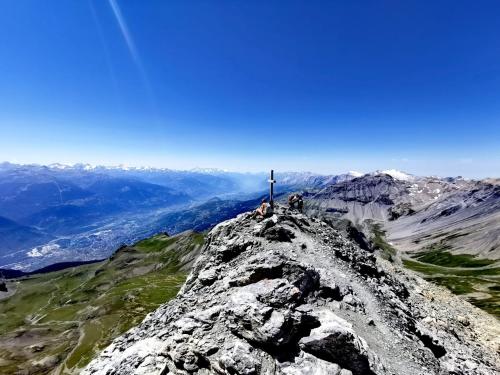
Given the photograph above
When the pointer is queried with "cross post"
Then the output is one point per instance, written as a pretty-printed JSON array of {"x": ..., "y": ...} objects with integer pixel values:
[{"x": 271, "y": 181}]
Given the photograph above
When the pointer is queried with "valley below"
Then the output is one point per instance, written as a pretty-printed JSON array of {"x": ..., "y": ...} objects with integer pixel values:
[
  {"x": 56, "y": 322},
  {"x": 478, "y": 285},
  {"x": 52, "y": 214},
  {"x": 477, "y": 280}
]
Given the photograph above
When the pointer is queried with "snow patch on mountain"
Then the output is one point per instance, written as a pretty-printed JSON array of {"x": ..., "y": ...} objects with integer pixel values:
[
  {"x": 208, "y": 170},
  {"x": 398, "y": 175},
  {"x": 355, "y": 173}
]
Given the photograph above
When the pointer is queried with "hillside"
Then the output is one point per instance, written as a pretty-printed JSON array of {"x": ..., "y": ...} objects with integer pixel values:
[
  {"x": 291, "y": 295},
  {"x": 419, "y": 211},
  {"x": 448, "y": 229},
  {"x": 57, "y": 321}
]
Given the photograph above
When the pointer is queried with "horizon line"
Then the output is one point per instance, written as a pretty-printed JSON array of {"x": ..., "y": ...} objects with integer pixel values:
[{"x": 207, "y": 170}]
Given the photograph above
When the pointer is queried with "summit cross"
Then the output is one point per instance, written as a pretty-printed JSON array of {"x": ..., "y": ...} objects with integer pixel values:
[{"x": 271, "y": 181}]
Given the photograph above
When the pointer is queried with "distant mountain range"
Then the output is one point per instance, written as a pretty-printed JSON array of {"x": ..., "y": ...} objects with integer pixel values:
[
  {"x": 61, "y": 213},
  {"x": 56, "y": 213}
]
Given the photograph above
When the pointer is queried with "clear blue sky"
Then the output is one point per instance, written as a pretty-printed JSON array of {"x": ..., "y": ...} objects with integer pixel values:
[{"x": 326, "y": 86}]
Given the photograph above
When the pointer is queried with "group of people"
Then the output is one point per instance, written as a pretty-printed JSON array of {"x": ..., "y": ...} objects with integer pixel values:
[{"x": 265, "y": 209}]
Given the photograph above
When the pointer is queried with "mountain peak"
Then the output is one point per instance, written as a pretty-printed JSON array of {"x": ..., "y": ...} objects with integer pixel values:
[{"x": 250, "y": 306}]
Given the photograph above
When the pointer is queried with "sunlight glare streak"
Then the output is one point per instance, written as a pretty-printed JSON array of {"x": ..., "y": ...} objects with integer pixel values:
[
  {"x": 133, "y": 51},
  {"x": 125, "y": 32}
]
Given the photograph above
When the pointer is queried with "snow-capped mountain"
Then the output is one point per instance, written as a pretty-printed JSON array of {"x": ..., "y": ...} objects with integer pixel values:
[{"x": 209, "y": 170}]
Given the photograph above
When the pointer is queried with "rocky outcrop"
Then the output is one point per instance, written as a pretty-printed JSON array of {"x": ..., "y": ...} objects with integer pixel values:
[{"x": 291, "y": 295}]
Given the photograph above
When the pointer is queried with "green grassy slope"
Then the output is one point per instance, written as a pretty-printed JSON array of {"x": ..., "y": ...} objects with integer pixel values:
[
  {"x": 479, "y": 284},
  {"x": 477, "y": 280},
  {"x": 56, "y": 322},
  {"x": 438, "y": 255},
  {"x": 386, "y": 250}
]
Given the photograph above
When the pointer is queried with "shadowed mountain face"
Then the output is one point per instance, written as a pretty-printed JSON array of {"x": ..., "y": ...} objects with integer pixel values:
[
  {"x": 368, "y": 197},
  {"x": 467, "y": 221},
  {"x": 130, "y": 193},
  {"x": 420, "y": 211},
  {"x": 12, "y": 235},
  {"x": 109, "y": 196},
  {"x": 22, "y": 196}
]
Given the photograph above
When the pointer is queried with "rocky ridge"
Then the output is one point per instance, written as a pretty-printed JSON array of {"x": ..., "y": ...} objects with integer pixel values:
[{"x": 291, "y": 295}]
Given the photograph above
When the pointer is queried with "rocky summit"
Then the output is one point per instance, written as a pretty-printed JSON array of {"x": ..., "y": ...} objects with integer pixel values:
[{"x": 291, "y": 295}]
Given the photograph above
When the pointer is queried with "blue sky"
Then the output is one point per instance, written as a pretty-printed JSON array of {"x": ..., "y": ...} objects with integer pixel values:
[{"x": 326, "y": 86}]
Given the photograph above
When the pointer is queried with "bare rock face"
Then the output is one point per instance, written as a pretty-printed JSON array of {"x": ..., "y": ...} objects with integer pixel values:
[{"x": 290, "y": 295}]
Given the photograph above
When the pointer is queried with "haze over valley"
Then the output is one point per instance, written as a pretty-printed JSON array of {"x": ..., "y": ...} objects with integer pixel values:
[{"x": 60, "y": 213}]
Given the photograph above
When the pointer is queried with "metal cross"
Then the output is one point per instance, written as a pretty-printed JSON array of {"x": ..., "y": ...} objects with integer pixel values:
[{"x": 271, "y": 181}]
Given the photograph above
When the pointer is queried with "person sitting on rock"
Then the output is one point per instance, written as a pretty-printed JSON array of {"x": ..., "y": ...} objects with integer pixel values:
[{"x": 264, "y": 210}]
